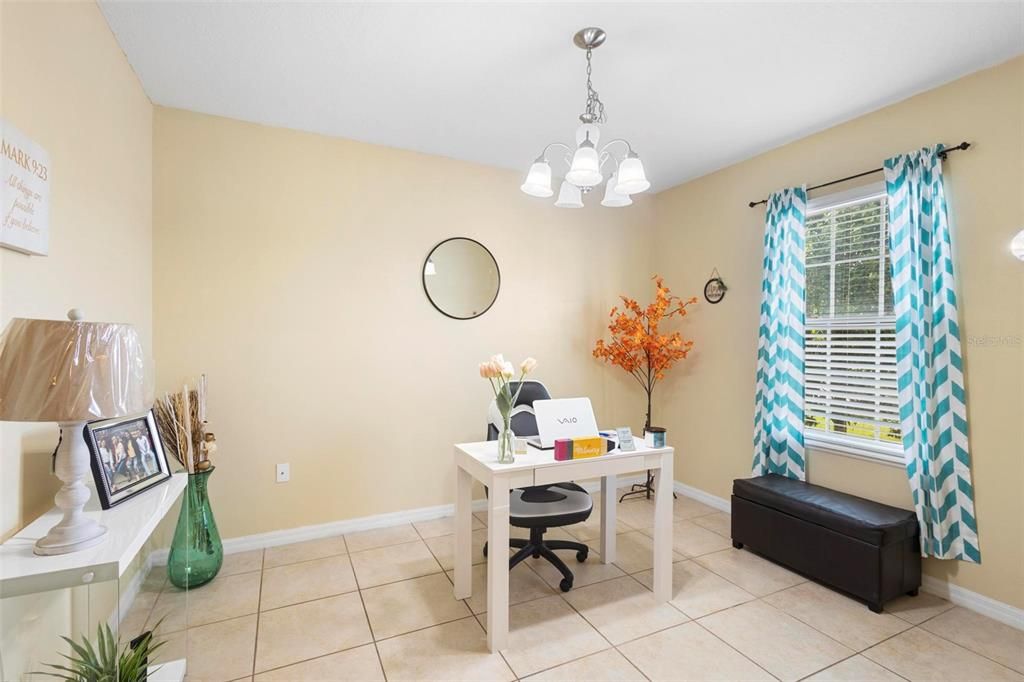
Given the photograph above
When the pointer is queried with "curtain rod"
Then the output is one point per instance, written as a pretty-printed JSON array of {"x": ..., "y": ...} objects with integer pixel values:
[{"x": 942, "y": 155}]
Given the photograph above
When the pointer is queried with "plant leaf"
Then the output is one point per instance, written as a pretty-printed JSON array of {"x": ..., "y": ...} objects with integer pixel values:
[{"x": 502, "y": 402}]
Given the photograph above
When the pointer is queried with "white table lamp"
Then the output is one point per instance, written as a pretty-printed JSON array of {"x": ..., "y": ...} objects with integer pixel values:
[{"x": 70, "y": 373}]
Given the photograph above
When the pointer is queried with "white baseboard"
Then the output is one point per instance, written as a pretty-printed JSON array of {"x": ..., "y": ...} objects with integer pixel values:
[
  {"x": 986, "y": 606},
  {"x": 710, "y": 500},
  {"x": 287, "y": 536},
  {"x": 979, "y": 603}
]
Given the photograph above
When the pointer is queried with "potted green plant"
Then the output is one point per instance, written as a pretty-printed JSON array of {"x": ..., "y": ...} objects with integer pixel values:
[{"x": 106, "y": 660}]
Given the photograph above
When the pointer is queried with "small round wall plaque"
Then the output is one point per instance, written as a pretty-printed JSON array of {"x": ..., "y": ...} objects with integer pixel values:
[{"x": 714, "y": 290}]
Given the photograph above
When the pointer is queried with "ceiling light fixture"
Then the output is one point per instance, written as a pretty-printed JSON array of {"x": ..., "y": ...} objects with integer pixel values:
[{"x": 586, "y": 161}]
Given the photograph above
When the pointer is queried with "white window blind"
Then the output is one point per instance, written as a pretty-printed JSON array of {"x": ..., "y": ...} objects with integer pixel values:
[{"x": 850, "y": 375}]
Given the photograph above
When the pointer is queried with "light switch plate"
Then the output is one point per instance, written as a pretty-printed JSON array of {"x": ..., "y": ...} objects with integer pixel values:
[{"x": 284, "y": 473}]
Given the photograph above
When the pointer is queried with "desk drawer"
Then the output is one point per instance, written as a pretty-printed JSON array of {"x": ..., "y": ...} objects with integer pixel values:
[{"x": 588, "y": 468}]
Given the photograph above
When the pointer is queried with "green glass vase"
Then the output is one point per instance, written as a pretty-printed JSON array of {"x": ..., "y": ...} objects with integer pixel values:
[{"x": 196, "y": 551}]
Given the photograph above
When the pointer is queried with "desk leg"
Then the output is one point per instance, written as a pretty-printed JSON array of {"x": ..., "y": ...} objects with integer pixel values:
[
  {"x": 663, "y": 529},
  {"x": 463, "y": 534},
  {"x": 608, "y": 509},
  {"x": 497, "y": 564}
]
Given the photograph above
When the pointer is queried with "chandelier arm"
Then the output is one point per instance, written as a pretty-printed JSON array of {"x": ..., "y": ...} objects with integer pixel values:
[
  {"x": 629, "y": 147},
  {"x": 567, "y": 158},
  {"x": 543, "y": 154}
]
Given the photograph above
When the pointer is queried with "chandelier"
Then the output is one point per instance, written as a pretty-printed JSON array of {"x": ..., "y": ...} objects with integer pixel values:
[{"x": 586, "y": 162}]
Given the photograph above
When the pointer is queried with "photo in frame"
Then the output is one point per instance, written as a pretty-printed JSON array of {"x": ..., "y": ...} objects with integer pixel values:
[{"x": 127, "y": 457}]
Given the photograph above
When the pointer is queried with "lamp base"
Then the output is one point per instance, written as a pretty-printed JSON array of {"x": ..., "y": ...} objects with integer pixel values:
[
  {"x": 75, "y": 531},
  {"x": 84, "y": 538}
]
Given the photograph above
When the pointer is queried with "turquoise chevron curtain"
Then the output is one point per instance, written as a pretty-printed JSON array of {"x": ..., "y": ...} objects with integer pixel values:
[
  {"x": 929, "y": 365},
  {"x": 779, "y": 402}
]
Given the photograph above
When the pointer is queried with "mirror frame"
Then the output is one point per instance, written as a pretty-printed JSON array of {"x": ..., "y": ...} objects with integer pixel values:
[{"x": 423, "y": 278}]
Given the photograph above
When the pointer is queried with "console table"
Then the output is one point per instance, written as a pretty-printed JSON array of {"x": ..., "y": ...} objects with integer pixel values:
[{"x": 129, "y": 526}]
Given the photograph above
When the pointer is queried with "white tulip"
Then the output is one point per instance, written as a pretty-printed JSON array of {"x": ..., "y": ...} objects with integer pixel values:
[{"x": 528, "y": 365}]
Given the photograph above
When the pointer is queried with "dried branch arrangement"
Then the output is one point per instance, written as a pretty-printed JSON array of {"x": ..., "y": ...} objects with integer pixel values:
[{"x": 181, "y": 420}]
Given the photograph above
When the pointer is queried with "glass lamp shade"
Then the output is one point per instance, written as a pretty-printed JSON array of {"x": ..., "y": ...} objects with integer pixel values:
[
  {"x": 569, "y": 196},
  {"x": 613, "y": 199},
  {"x": 632, "y": 178},
  {"x": 538, "y": 180},
  {"x": 585, "y": 170}
]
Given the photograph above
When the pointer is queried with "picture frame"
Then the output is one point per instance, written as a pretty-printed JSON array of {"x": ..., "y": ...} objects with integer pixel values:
[{"x": 127, "y": 457}]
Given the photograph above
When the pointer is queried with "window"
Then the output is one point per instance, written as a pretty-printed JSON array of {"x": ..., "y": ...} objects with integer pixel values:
[{"x": 851, "y": 400}]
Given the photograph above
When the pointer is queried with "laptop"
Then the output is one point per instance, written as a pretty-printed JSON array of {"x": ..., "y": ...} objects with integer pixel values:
[{"x": 562, "y": 418}]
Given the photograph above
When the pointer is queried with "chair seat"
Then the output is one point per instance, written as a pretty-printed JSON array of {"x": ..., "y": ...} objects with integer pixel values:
[{"x": 575, "y": 507}]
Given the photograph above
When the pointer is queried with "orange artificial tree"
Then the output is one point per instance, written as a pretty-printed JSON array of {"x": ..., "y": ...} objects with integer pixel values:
[{"x": 638, "y": 344}]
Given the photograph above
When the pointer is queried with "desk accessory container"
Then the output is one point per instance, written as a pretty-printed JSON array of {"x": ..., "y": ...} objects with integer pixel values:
[
  {"x": 654, "y": 436},
  {"x": 579, "y": 448}
]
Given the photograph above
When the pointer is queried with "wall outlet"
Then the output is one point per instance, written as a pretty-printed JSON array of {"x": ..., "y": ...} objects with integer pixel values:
[{"x": 284, "y": 473}]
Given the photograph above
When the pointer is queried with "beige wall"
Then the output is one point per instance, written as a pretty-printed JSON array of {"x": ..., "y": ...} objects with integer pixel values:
[
  {"x": 288, "y": 269},
  {"x": 66, "y": 84},
  {"x": 81, "y": 101},
  {"x": 706, "y": 223}
]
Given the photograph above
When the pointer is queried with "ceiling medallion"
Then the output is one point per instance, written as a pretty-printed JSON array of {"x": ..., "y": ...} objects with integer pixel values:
[{"x": 587, "y": 161}]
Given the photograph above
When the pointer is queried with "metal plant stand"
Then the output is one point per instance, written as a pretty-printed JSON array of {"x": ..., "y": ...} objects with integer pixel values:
[{"x": 646, "y": 488}]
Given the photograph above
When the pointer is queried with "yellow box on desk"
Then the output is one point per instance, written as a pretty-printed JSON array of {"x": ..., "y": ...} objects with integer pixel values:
[{"x": 579, "y": 448}]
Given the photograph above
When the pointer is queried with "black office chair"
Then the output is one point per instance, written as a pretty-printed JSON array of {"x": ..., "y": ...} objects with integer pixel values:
[{"x": 541, "y": 507}]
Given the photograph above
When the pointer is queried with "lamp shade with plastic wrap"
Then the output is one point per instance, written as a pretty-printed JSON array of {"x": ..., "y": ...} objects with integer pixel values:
[
  {"x": 538, "y": 180},
  {"x": 70, "y": 371},
  {"x": 632, "y": 178}
]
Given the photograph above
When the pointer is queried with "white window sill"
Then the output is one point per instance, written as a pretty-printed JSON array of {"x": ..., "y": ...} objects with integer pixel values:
[{"x": 879, "y": 453}]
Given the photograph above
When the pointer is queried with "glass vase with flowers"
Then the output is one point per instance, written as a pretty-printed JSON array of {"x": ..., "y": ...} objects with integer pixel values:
[{"x": 500, "y": 373}]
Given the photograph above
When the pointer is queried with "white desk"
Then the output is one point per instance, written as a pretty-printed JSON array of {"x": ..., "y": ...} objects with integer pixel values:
[{"x": 538, "y": 467}]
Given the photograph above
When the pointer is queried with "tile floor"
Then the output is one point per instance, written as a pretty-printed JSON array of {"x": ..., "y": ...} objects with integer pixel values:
[{"x": 378, "y": 605}]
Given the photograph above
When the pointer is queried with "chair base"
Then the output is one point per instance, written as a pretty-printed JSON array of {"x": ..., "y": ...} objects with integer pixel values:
[{"x": 537, "y": 547}]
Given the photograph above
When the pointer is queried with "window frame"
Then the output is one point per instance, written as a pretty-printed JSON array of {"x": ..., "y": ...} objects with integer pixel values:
[{"x": 815, "y": 439}]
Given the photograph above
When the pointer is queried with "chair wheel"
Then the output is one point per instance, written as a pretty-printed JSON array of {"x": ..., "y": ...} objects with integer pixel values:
[
  {"x": 582, "y": 555},
  {"x": 536, "y": 555},
  {"x": 566, "y": 584},
  {"x": 485, "y": 549}
]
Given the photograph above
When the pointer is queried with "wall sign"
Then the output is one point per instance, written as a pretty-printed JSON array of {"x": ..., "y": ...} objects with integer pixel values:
[
  {"x": 25, "y": 178},
  {"x": 714, "y": 290}
]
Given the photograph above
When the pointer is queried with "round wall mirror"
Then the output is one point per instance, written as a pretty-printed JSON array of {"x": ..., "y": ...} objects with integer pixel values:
[{"x": 461, "y": 278}]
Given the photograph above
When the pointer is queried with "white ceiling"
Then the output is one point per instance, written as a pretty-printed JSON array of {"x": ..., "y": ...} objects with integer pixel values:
[{"x": 694, "y": 86}]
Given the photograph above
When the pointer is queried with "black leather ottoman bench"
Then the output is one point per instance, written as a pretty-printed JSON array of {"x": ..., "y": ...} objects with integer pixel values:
[{"x": 861, "y": 547}]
